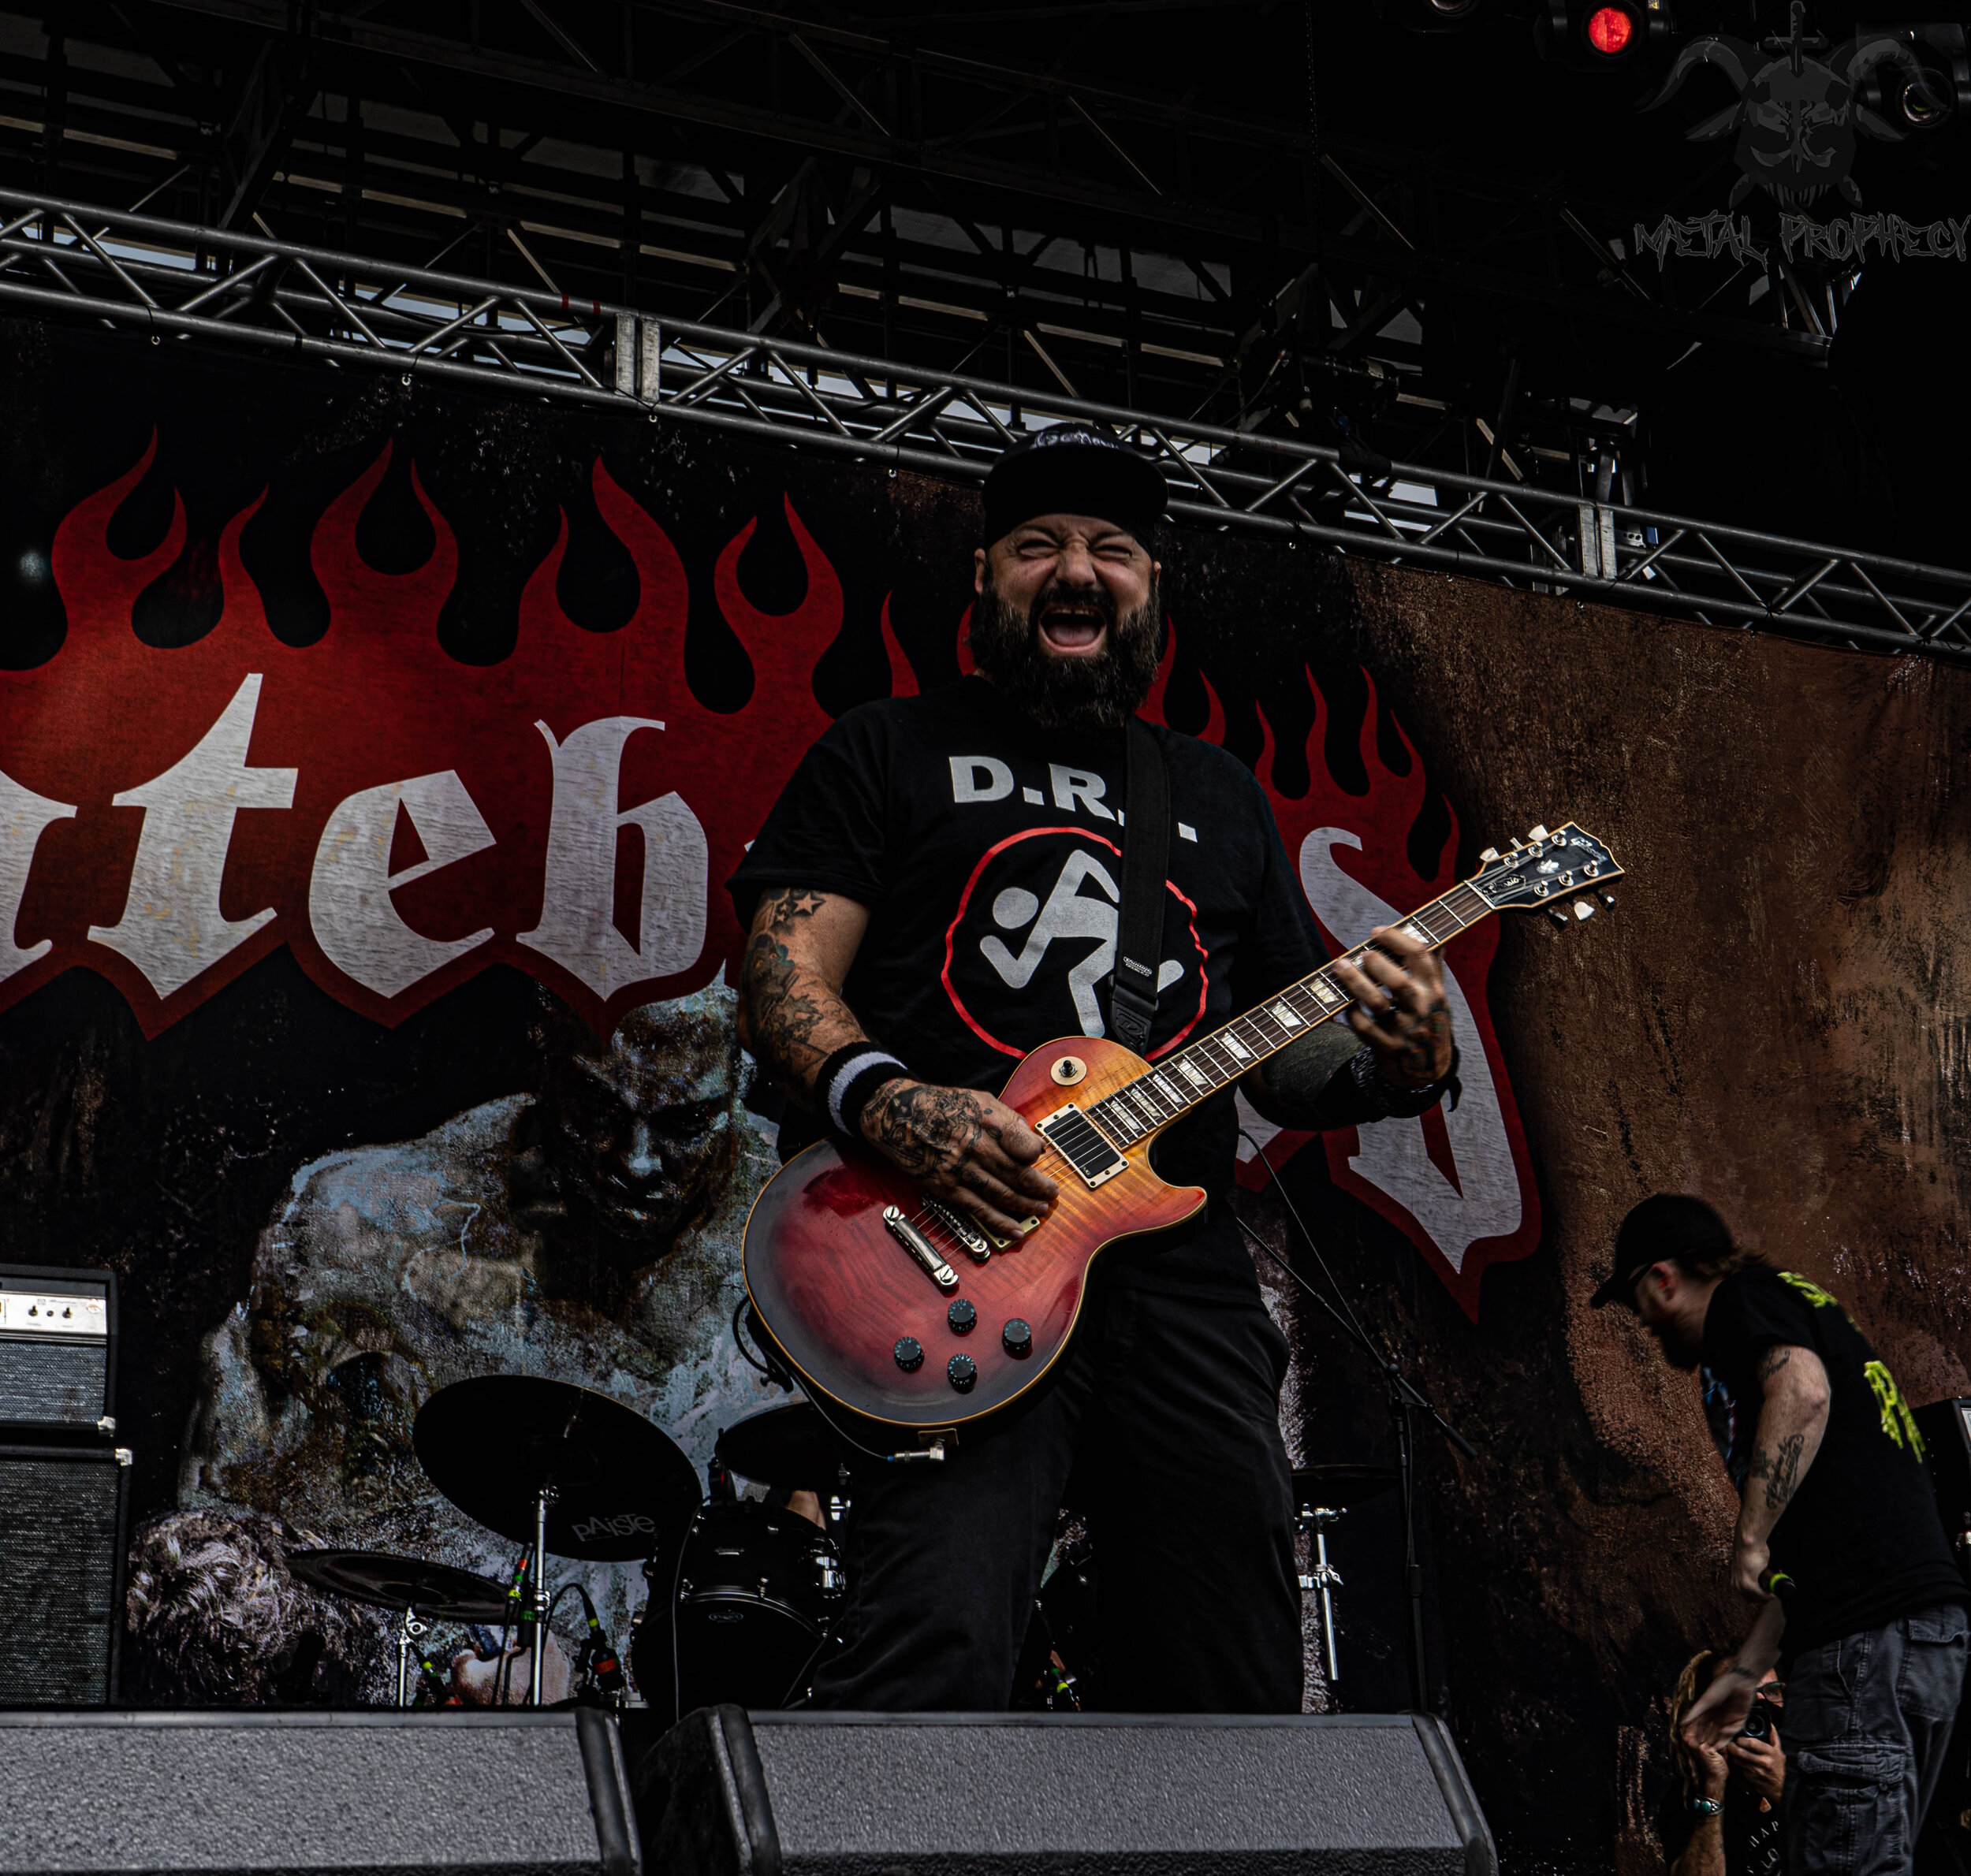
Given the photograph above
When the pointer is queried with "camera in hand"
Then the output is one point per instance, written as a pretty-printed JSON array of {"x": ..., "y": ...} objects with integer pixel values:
[{"x": 1759, "y": 1722}]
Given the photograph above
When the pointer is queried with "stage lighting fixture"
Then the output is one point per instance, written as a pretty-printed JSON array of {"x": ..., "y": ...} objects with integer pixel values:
[
  {"x": 1601, "y": 35},
  {"x": 1610, "y": 29},
  {"x": 1431, "y": 16},
  {"x": 1924, "y": 99}
]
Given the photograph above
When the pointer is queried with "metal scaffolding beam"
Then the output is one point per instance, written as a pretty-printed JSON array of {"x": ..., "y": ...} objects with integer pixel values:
[{"x": 141, "y": 274}]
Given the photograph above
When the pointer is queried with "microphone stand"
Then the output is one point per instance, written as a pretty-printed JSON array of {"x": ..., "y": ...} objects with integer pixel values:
[{"x": 1405, "y": 1400}]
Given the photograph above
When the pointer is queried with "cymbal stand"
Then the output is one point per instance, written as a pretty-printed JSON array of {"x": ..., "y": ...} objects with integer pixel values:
[
  {"x": 1323, "y": 1576},
  {"x": 542, "y": 1604},
  {"x": 1405, "y": 1399},
  {"x": 408, "y": 1629}
]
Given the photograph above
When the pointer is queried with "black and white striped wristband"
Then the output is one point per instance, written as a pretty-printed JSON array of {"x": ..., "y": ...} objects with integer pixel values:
[{"x": 848, "y": 1079}]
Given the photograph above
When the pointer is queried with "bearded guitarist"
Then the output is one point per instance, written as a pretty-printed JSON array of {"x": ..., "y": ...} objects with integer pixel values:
[{"x": 936, "y": 893}]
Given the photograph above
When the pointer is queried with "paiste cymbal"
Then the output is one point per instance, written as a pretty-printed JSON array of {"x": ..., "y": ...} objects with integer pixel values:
[
  {"x": 791, "y": 1446},
  {"x": 401, "y": 1583},
  {"x": 1336, "y": 1487},
  {"x": 623, "y": 1487}
]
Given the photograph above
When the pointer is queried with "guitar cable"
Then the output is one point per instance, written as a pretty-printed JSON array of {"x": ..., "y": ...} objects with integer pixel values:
[
  {"x": 1307, "y": 1237},
  {"x": 1391, "y": 1373}
]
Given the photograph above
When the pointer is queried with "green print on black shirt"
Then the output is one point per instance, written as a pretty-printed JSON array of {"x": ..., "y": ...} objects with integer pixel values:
[{"x": 1861, "y": 1538}]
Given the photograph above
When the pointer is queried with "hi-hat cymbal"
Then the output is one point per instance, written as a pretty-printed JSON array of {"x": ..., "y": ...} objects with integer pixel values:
[
  {"x": 401, "y": 1583},
  {"x": 622, "y": 1488},
  {"x": 1336, "y": 1487},
  {"x": 791, "y": 1446}
]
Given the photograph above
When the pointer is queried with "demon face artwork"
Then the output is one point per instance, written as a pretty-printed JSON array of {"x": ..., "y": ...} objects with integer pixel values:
[
  {"x": 589, "y": 1233},
  {"x": 1796, "y": 116}
]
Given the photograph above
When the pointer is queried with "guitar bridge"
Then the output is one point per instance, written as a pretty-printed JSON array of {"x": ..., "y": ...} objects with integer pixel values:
[
  {"x": 921, "y": 1248},
  {"x": 1083, "y": 1144},
  {"x": 960, "y": 1227}
]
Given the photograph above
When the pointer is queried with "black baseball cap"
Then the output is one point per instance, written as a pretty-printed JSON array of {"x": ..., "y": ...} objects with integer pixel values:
[
  {"x": 1658, "y": 1229},
  {"x": 1075, "y": 469}
]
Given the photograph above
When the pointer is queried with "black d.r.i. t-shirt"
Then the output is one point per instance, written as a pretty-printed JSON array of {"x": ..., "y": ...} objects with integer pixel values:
[
  {"x": 1862, "y": 1540},
  {"x": 988, "y": 852}
]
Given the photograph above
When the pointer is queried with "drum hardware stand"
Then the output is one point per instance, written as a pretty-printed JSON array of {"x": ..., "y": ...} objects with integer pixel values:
[
  {"x": 1404, "y": 1399},
  {"x": 408, "y": 1627},
  {"x": 1323, "y": 1576},
  {"x": 539, "y": 1602}
]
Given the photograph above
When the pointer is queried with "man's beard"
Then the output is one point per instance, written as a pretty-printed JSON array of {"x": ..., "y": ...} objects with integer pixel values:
[
  {"x": 1098, "y": 693},
  {"x": 1677, "y": 1351}
]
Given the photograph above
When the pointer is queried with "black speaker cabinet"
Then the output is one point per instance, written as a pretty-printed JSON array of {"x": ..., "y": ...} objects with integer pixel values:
[
  {"x": 519, "y": 1793},
  {"x": 728, "y": 1793},
  {"x": 57, "y": 1350},
  {"x": 62, "y": 1538}
]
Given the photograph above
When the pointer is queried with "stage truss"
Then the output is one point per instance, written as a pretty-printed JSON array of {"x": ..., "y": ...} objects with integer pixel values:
[{"x": 176, "y": 281}]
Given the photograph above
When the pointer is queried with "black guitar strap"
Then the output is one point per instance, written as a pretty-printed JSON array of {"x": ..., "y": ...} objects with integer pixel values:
[{"x": 1139, "y": 930}]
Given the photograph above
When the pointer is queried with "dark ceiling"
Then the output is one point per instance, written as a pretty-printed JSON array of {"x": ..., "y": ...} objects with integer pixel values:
[{"x": 1298, "y": 216}]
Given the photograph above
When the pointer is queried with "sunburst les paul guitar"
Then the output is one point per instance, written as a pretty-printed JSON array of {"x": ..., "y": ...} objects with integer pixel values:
[{"x": 903, "y": 1312}]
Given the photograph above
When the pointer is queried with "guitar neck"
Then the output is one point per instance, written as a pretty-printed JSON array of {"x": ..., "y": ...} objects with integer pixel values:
[{"x": 1191, "y": 1075}]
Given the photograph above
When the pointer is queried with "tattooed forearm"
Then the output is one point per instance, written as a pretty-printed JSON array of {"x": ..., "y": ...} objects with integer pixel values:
[
  {"x": 791, "y": 1014},
  {"x": 1775, "y": 1359},
  {"x": 1780, "y": 1471}
]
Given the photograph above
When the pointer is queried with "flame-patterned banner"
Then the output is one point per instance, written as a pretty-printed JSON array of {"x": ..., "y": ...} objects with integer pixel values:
[{"x": 401, "y": 820}]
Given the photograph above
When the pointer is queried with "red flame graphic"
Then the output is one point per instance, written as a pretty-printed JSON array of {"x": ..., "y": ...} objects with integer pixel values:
[{"x": 378, "y": 700}]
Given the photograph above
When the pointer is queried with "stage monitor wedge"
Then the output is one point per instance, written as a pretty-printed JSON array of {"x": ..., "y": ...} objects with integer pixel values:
[
  {"x": 728, "y": 1793},
  {"x": 520, "y": 1792}
]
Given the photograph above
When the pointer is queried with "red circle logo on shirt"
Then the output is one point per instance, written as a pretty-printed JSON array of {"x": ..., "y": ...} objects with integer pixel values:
[{"x": 1032, "y": 947}]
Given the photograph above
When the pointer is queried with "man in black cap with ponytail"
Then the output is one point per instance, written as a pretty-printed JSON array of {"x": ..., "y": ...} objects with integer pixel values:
[
  {"x": 1839, "y": 1544},
  {"x": 935, "y": 894}
]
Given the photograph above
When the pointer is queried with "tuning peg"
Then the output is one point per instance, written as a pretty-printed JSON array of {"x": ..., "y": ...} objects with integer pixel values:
[
  {"x": 1608, "y": 898},
  {"x": 1539, "y": 834},
  {"x": 1558, "y": 917},
  {"x": 1517, "y": 843},
  {"x": 1584, "y": 908},
  {"x": 1490, "y": 854}
]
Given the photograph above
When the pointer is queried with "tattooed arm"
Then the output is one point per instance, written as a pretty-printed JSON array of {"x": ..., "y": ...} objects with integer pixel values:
[
  {"x": 1718, "y": 1713},
  {"x": 965, "y": 1146},
  {"x": 1793, "y": 1415},
  {"x": 1399, "y": 1015}
]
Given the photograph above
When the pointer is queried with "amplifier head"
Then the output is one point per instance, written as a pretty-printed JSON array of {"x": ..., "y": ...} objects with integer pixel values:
[{"x": 57, "y": 1343}]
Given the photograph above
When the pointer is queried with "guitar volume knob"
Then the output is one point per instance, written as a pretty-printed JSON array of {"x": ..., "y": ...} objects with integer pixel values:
[
  {"x": 961, "y": 1371},
  {"x": 910, "y": 1354},
  {"x": 1018, "y": 1339},
  {"x": 962, "y": 1317}
]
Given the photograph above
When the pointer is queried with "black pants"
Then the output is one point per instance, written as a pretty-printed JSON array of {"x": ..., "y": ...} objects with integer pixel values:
[{"x": 1167, "y": 1412}]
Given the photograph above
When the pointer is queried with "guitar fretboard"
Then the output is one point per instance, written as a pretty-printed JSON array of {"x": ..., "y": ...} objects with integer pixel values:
[{"x": 1180, "y": 1080}]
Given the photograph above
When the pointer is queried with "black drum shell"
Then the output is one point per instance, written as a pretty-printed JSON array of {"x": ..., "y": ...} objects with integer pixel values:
[{"x": 747, "y": 1611}]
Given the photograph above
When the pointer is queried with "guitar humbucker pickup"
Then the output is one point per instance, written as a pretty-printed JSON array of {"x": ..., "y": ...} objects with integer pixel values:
[{"x": 1077, "y": 1139}]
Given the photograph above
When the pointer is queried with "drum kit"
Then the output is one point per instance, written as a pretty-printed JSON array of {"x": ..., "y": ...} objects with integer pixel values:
[
  {"x": 744, "y": 1591},
  {"x": 751, "y": 1586}
]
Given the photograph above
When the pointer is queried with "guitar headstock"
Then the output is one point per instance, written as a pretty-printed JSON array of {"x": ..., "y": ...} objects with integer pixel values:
[{"x": 1565, "y": 874}]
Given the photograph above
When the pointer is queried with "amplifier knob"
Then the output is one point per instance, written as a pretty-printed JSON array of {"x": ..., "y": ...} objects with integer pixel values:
[
  {"x": 1018, "y": 1337},
  {"x": 962, "y": 1316},
  {"x": 910, "y": 1354},
  {"x": 962, "y": 1371}
]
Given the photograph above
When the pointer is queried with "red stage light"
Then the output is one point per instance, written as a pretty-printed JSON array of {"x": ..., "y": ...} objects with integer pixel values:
[{"x": 1610, "y": 29}]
